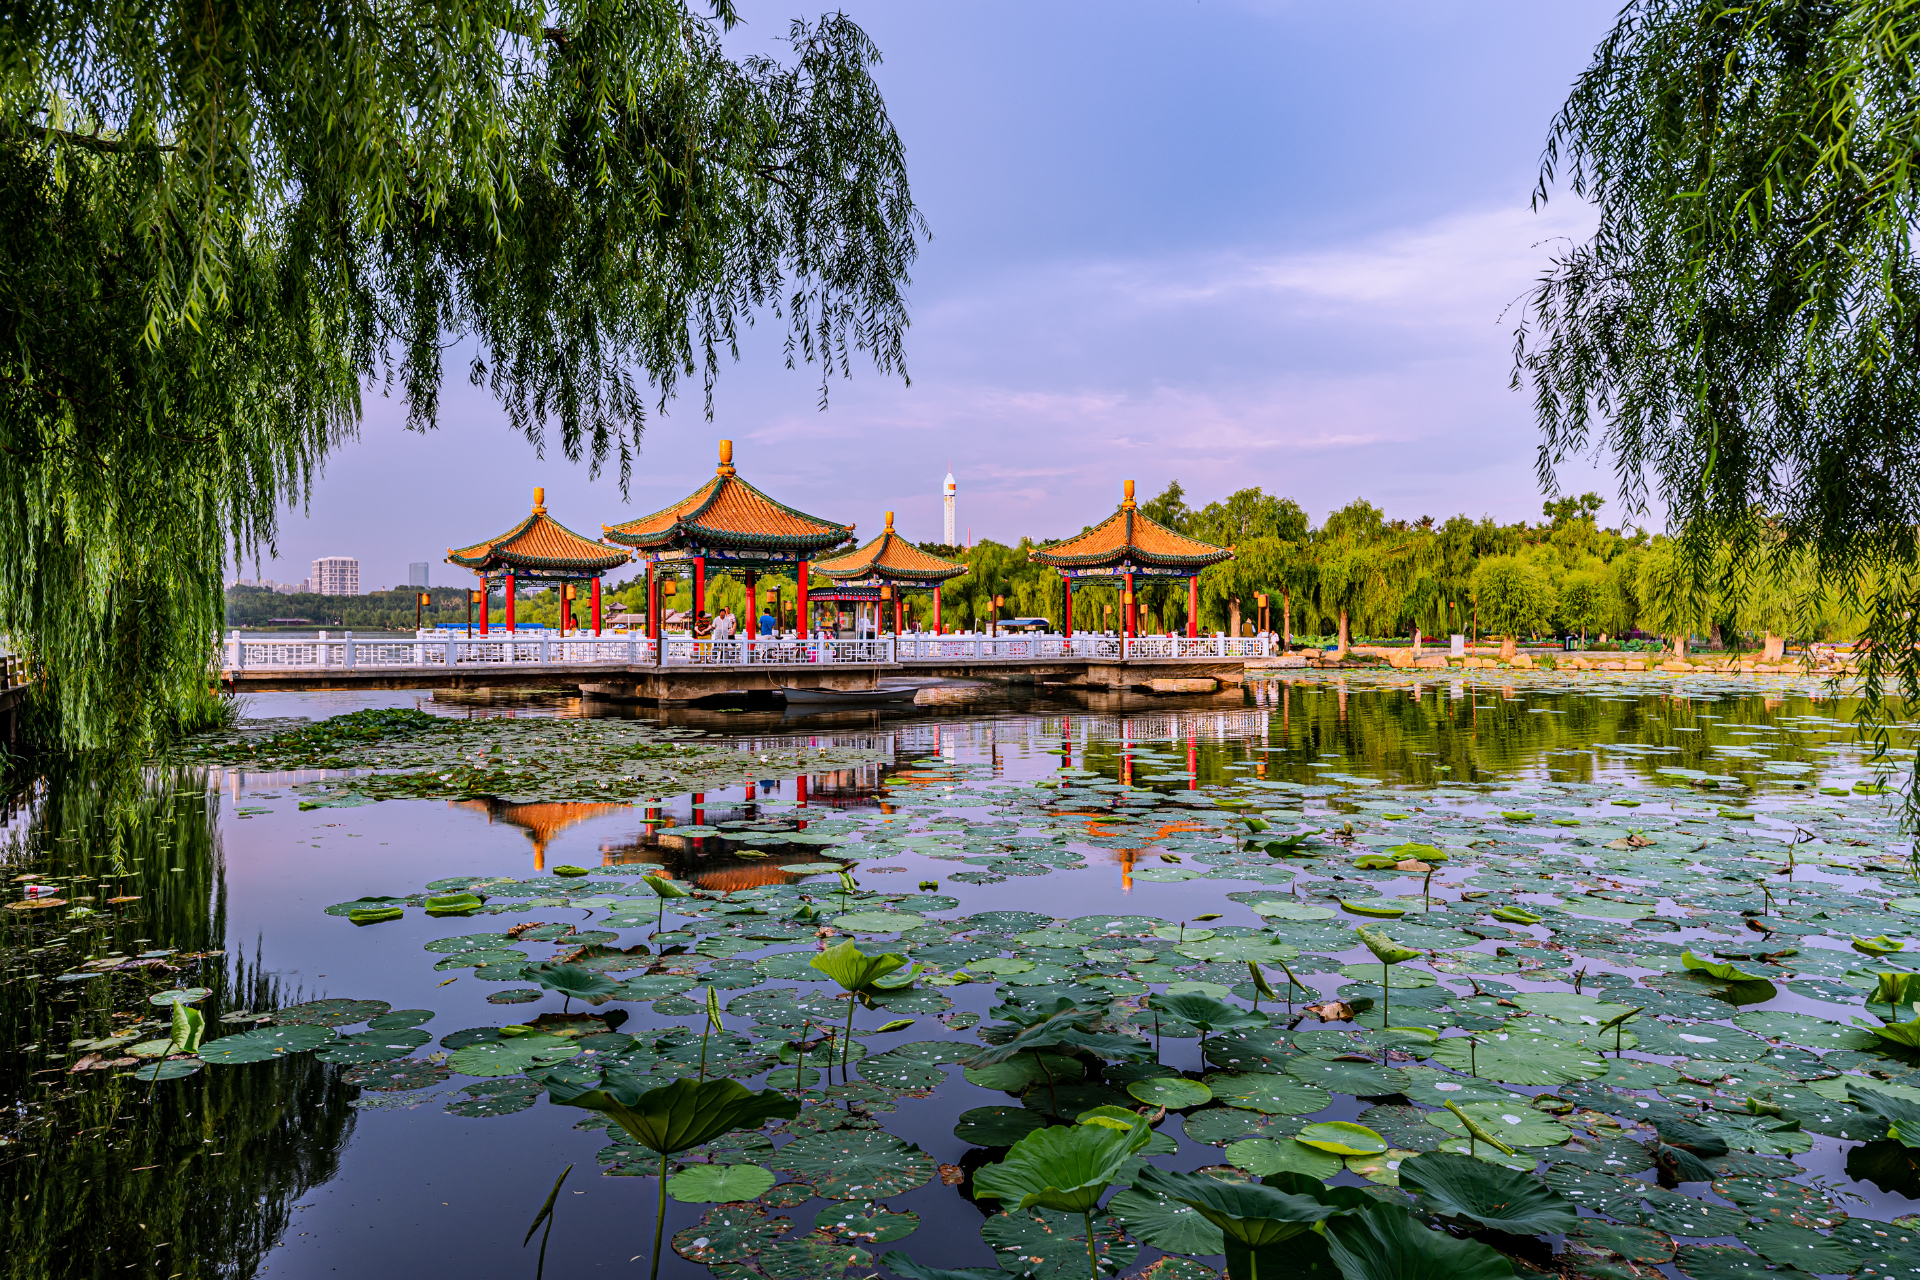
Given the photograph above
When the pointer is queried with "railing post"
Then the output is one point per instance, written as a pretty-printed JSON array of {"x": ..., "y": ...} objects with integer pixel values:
[
  {"x": 543, "y": 651},
  {"x": 450, "y": 658},
  {"x": 349, "y": 647}
]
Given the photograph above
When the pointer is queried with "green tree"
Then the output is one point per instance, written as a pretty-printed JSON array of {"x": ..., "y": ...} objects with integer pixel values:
[
  {"x": 1513, "y": 595},
  {"x": 1676, "y": 592},
  {"x": 223, "y": 223},
  {"x": 1739, "y": 332}
]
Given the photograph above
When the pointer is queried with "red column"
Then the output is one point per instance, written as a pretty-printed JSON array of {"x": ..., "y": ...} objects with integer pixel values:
[
  {"x": 800, "y": 618},
  {"x": 898, "y": 604},
  {"x": 936, "y": 609},
  {"x": 653, "y": 601},
  {"x": 1066, "y": 611},
  {"x": 1132, "y": 610},
  {"x": 1193, "y": 605},
  {"x": 486, "y": 603},
  {"x": 509, "y": 604},
  {"x": 596, "y": 606},
  {"x": 699, "y": 609},
  {"x": 753, "y": 607}
]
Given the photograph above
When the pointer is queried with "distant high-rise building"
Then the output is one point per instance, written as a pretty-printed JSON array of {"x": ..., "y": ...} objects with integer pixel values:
[
  {"x": 417, "y": 574},
  {"x": 336, "y": 576},
  {"x": 947, "y": 495}
]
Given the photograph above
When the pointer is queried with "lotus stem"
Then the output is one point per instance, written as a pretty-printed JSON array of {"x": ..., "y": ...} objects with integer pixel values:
[
  {"x": 1052, "y": 1093},
  {"x": 800, "y": 1059},
  {"x": 703, "y": 1052},
  {"x": 659, "y": 1218},
  {"x": 846, "y": 1046},
  {"x": 1386, "y": 994},
  {"x": 1093, "y": 1258}
]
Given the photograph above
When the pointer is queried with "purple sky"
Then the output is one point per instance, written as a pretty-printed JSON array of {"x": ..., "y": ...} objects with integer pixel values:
[{"x": 1232, "y": 242}]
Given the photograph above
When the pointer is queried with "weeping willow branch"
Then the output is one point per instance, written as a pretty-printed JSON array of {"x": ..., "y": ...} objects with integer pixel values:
[{"x": 1740, "y": 336}]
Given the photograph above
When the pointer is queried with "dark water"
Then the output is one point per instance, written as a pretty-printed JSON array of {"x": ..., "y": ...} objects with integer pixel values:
[{"x": 270, "y": 1169}]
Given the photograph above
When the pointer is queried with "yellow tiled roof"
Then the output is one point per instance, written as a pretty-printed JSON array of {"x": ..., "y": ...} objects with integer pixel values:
[
  {"x": 1129, "y": 535},
  {"x": 726, "y": 511},
  {"x": 893, "y": 557},
  {"x": 539, "y": 542}
]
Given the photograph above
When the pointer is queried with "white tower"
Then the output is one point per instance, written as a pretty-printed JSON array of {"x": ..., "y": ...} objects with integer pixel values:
[{"x": 947, "y": 500}]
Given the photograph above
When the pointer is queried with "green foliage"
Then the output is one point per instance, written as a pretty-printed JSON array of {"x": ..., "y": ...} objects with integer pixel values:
[
  {"x": 1513, "y": 595},
  {"x": 675, "y": 1117},
  {"x": 1485, "y": 1194},
  {"x": 1064, "y": 1167},
  {"x": 216, "y": 239}
]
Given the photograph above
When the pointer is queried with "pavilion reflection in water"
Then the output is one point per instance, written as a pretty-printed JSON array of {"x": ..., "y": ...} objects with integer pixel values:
[{"x": 541, "y": 820}]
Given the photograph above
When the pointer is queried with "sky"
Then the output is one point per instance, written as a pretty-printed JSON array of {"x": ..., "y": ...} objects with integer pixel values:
[{"x": 1281, "y": 243}]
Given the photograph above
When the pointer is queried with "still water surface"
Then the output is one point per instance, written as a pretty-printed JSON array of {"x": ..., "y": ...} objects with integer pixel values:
[{"x": 284, "y": 1169}]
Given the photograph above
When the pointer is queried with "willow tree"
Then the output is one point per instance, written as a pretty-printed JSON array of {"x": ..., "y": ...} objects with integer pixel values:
[
  {"x": 224, "y": 223},
  {"x": 1741, "y": 334}
]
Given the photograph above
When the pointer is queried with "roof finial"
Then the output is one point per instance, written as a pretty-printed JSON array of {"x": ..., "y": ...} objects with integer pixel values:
[
  {"x": 1129, "y": 498},
  {"x": 539, "y": 500},
  {"x": 889, "y": 522},
  {"x": 726, "y": 458}
]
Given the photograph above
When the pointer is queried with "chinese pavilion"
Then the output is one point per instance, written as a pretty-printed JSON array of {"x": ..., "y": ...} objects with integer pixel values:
[
  {"x": 543, "y": 549},
  {"x": 1127, "y": 545},
  {"x": 727, "y": 526},
  {"x": 886, "y": 569}
]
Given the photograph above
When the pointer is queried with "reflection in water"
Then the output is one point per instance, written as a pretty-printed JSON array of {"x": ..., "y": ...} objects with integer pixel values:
[
  {"x": 98, "y": 1180},
  {"x": 541, "y": 820}
]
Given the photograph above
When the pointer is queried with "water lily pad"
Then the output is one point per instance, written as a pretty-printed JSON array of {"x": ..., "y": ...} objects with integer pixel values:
[
  {"x": 166, "y": 1069},
  {"x": 729, "y": 1233},
  {"x": 856, "y": 1164},
  {"x": 898, "y": 1071},
  {"x": 496, "y": 1098},
  {"x": 1272, "y": 1094},
  {"x": 265, "y": 1043},
  {"x": 1342, "y": 1138},
  {"x": 1514, "y": 1123},
  {"x": 719, "y": 1183},
  {"x": 518, "y": 995},
  {"x": 470, "y": 942},
  {"x": 1175, "y": 1093},
  {"x": 509, "y": 1057},
  {"x": 996, "y": 1126},
  {"x": 180, "y": 995},
  {"x": 878, "y": 921},
  {"x": 1262, "y": 1156},
  {"x": 1361, "y": 1079},
  {"x": 400, "y": 1018},
  {"x": 393, "y": 1077},
  {"x": 1522, "y": 1059},
  {"x": 330, "y": 1013},
  {"x": 866, "y": 1222},
  {"x": 373, "y": 1046},
  {"x": 1165, "y": 1224}
]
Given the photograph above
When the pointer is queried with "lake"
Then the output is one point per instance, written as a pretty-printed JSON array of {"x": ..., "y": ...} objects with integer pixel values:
[{"x": 1555, "y": 851}]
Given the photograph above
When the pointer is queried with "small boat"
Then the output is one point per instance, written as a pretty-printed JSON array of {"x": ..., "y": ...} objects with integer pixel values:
[{"x": 849, "y": 697}]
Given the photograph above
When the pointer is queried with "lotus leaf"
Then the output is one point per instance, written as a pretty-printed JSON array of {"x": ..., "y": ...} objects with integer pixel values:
[
  {"x": 1361, "y": 1079},
  {"x": 1262, "y": 1156},
  {"x": 572, "y": 981},
  {"x": 1166, "y": 1224},
  {"x": 730, "y": 1233},
  {"x": 1486, "y": 1195},
  {"x": 1206, "y": 1012},
  {"x": 510, "y": 1057},
  {"x": 1253, "y": 1220},
  {"x": 1271, "y": 1094},
  {"x": 719, "y": 1183},
  {"x": 1175, "y": 1093},
  {"x": 1521, "y": 1059},
  {"x": 1066, "y": 1169},
  {"x": 166, "y": 1069},
  {"x": 1901, "y": 1114},
  {"x": 996, "y": 1126},
  {"x": 1384, "y": 948},
  {"x": 265, "y": 1043},
  {"x": 1389, "y": 1243},
  {"x": 1512, "y": 1123},
  {"x": 1378, "y": 908},
  {"x": 373, "y": 1046},
  {"x": 330, "y": 1013},
  {"x": 856, "y": 1164},
  {"x": 180, "y": 995},
  {"x": 867, "y": 1222},
  {"x": 1342, "y": 1138},
  {"x": 395, "y": 1077},
  {"x": 1041, "y": 1244},
  {"x": 902, "y": 1265}
]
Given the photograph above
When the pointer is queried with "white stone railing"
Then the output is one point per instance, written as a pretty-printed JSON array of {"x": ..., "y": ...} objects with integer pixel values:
[{"x": 436, "y": 650}]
